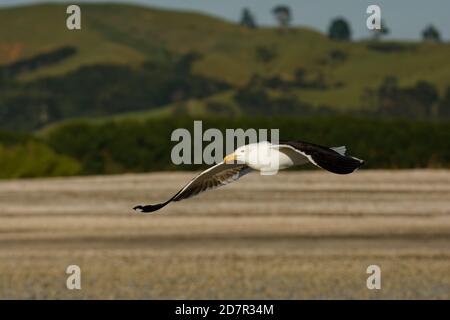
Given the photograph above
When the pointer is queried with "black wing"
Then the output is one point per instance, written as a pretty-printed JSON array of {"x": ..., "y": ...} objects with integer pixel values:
[
  {"x": 219, "y": 175},
  {"x": 324, "y": 157}
]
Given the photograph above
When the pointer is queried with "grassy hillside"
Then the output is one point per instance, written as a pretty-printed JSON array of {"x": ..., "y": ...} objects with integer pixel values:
[{"x": 130, "y": 35}]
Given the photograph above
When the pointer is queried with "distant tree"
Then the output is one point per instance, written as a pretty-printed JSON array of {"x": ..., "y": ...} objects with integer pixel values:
[
  {"x": 339, "y": 30},
  {"x": 247, "y": 19},
  {"x": 337, "y": 55},
  {"x": 300, "y": 76},
  {"x": 412, "y": 102},
  {"x": 426, "y": 95},
  {"x": 431, "y": 34},
  {"x": 283, "y": 15},
  {"x": 378, "y": 33},
  {"x": 265, "y": 54},
  {"x": 426, "y": 92},
  {"x": 389, "y": 86}
]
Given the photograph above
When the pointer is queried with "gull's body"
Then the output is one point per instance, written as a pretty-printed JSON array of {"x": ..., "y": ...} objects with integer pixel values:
[{"x": 267, "y": 158}]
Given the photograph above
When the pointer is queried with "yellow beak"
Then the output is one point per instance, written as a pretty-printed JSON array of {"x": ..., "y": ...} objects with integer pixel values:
[{"x": 230, "y": 158}]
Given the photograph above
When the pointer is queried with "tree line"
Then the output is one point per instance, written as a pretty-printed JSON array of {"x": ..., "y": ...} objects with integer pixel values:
[
  {"x": 419, "y": 101},
  {"x": 339, "y": 28},
  {"x": 85, "y": 148},
  {"x": 96, "y": 90}
]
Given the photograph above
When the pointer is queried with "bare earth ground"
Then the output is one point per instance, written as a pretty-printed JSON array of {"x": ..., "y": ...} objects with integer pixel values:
[{"x": 293, "y": 235}]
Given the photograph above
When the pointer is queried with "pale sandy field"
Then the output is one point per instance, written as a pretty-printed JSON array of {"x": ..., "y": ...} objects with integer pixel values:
[{"x": 294, "y": 235}]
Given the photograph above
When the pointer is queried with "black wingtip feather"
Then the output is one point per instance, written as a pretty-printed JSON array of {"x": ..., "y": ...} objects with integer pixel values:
[
  {"x": 326, "y": 158},
  {"x": 337, "y": 163},
  {"x": 149, "y": 208},
  {"x": 341, "y": 164}
]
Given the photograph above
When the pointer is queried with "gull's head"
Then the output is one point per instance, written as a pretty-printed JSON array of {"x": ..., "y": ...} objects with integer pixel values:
[{"x": 239, "y": 155}]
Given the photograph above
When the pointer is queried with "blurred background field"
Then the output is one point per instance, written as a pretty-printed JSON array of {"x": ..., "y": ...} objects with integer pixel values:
[{"x": 293, "y": 235}]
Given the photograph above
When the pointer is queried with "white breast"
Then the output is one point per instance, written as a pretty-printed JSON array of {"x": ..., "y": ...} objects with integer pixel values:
[{"x": 272, "y": 159}]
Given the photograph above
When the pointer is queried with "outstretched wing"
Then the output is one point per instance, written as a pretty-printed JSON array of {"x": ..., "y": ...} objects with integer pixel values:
[
  {"x": 219, "y": 175},
  {"x": 324, "y": 157}
]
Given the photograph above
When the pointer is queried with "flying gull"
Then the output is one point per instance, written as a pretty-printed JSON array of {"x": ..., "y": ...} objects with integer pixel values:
[{"x": 267, "y": 158}]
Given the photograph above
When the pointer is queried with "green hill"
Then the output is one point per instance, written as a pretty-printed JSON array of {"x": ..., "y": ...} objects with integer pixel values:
[{"x": 228, "y": 53}]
